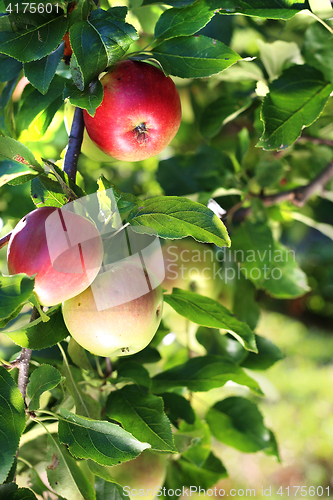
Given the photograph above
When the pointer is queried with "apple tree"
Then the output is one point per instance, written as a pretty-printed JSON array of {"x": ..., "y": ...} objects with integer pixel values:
[{"x": 229, "y": 199}]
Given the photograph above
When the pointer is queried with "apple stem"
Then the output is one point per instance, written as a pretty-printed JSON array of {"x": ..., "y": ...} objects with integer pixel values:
[
  {"x": 74, "y": 144},
  {"x": 108, "y": 371}
]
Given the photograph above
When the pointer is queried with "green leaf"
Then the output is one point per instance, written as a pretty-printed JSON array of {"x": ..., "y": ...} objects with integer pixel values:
[
  {"x": 14, "y": 293},
  {"x": 64, "y": 475},
  {"x": 38, "y": 110},
  {"x": 278, "y": 56},
  {"x": 98, "y": 43},
  {"x": 47, "y": 193},
  {"x": 85, "y": 405},
  {"x": 173, "y": 3},
  {"x": 295, "y": 101},
  {"x": 202, "y": 374},
  {"x": 183, "y": 472},
  {"x": 177, "y": 407},
  {"x": 35, "y": 42},
  {"x": 11, "y": 172},
  {"x": 286, "y": 279},
  {"x": 245, "y": 306},
  {"x": 90, "y": 98},
  {"x": 208, "y": 312},
  {"x": 186, "y": 21},
  {"x": 220, "y": 112},
  {"x": 269, "y": 172},
  {"x": 12, "y": 422},
  {"x": 9, "y": 68},
  {"x": 194, "y": 56},
  {"x": 101, "y": 441},
  {"x": 268, "y": 264},
  {"x": 14, "y": 150},
  {"x": 40, "y": 73},
  {"x": 182, "y": 175},
  {"x": 7, "y": 126},
  {"x": 115, "y": 34},
  {"x": 317, "y": 49},
  {"x": 10, "y": 491},
  {"x": 253, "y": 249},
  {"x": 223, "y": 345},
  {"x": 268, "y": 354},
  {"x": 79, "y": 355},
  {"x": 89, "y": 57},
  {"x": 269, "y": 9},
  {"x": 237, "y": 422},
  {"x": 44, "y": 378},
  {"x": 173, "y": 217},
  {"x": 39, "y": 335},
  {"x": 143, "y": 416},
  {"x": 124, "y": 201},
  {"x": 106, "y": 490},
  {"x": 130, "y": 371}
]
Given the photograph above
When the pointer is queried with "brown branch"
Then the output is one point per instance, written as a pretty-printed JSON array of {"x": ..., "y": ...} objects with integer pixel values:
[
  {"x": 298, "y": 196},
  {"x": 74, "y": 144},
  {"x": 4, "y": 240},
  {"x": 316, "y": 140},
  {"x": 24, "y": 360}
]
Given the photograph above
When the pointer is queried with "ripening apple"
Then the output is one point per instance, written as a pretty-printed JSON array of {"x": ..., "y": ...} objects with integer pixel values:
[
  {"x": 63, "y": 248},
  {"x": 118, "y": 314},
  {"x": 143, "y": 476},
  {"x": 140, "y": 113}
]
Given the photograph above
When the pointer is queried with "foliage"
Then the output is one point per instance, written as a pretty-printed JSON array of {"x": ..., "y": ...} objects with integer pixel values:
[{"x": 252, "y": 75}]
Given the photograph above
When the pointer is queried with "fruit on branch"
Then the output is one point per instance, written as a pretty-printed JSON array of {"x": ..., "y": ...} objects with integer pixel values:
[
  {"x": 88, "y": 148},
  {"x": 146, "y": 473},
  {"x": 63, "y": 248},
  {"x": 140, "y": 113},
  {"x": 118, "y": 314}
]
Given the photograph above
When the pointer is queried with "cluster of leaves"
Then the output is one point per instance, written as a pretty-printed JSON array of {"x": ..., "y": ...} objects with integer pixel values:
[{"x": 85, "y": 418}]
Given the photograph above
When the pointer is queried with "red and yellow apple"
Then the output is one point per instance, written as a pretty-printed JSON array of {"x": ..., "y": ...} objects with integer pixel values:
[
  {"x": 140, "y": 113},
  {"x": 118, "y": 314},
  {"x": 62, "y": 248}
]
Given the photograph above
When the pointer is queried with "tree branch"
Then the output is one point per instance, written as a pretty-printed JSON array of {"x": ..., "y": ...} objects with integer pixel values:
[
  {"x": 74, "y": 144},
  {"x": 24, "y": 360},
  {"x": 298, "y": 196},
  {"x": 316, "y": 140},
  {"x": 4, "y": 240}
]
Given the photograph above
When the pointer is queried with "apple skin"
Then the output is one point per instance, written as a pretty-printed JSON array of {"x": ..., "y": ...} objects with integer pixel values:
[
  {"x": 122, "y": 325},
  {"x": 28, "y": 252},
  {"x": 146, "y": 472},
  {"x": 140, "y": 113}
]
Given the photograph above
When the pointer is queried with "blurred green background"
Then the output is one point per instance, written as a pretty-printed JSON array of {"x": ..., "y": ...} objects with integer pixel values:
[{"x": 298, "y": 405}]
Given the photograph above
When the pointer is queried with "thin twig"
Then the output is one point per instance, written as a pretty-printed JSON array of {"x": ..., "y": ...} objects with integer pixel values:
[
  {"x": 4, "y": 240},
  {"x": 23, "y": 360},
  {"x": 297, "y": 196},
  {"x": 74, "y": 144},
  {"x": 316, "y": 140}
]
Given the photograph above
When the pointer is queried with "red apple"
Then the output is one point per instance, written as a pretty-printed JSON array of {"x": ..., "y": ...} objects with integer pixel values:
[
  {"x": 63, "y": 248},
  {"x": 140, "y": 113},
  {"x": 107, "y": 320}
]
